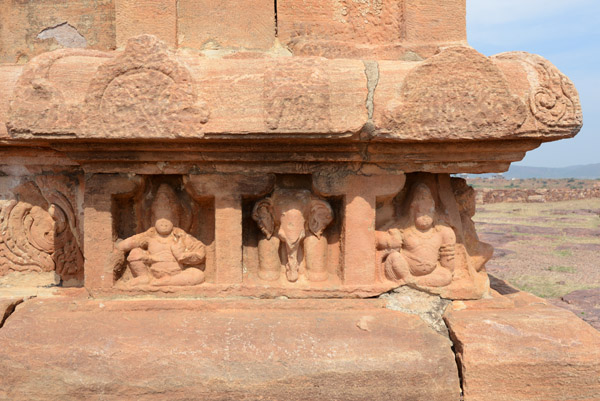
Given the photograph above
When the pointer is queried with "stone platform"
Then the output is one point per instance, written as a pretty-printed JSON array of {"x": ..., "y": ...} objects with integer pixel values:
[
  {"x": 255, "y": 202},
  {"x": 72, "y": 349},
  {"x": 528, "y": 351},
  {"x": 509, "y": 347}
]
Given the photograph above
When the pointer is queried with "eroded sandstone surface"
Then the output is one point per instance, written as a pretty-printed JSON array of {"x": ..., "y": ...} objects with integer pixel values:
[{"x": 246, "y": 196}]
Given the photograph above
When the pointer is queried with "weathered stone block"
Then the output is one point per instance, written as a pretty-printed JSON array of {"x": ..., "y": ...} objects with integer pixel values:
[
  {"x": 216, "y": 350},
  {"x": 8, "y": 77},
  {"x": 340, "y": 28},
  {"x": 380, "y": 29},
  {"x": 434, "y": 21},
  {"x": 229, "y": 24},
  {"x": 7, "y": 307},
  {"x": 138, "y": 17},
  {"x": 533, "y": 351},
  {"x": 29, "y": 28}
]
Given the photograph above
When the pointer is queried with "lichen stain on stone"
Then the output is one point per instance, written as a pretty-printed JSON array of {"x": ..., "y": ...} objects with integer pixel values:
[{"x": 65, "y": 34}]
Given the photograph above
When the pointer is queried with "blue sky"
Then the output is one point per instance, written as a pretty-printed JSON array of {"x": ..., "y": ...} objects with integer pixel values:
[{"x": 566, "y": 32}]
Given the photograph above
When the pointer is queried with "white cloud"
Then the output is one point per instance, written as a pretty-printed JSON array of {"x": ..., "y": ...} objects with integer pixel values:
[{"x": 498, "y": 12}]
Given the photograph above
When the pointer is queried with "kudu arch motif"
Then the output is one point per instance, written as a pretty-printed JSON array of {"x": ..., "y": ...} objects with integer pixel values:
[{"x": 297, "y": 218}]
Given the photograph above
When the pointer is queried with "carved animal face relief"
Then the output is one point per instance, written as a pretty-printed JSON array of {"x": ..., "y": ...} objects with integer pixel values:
[
  {"x": 292, "y": 215},
  {"x": 34, "y": 239}
]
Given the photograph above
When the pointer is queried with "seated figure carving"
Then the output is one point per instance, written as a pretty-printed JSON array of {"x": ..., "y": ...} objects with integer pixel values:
[
  {"x": 164, "y": 255},
  {"x": 418, "y": 250}
]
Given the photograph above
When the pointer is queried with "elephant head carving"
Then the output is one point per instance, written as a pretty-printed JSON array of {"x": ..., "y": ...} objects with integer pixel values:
[{"x": 298, "y": 219}]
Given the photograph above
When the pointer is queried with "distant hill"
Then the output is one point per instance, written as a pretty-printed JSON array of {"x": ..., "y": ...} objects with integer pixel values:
[{"x": 588, "y": 171}]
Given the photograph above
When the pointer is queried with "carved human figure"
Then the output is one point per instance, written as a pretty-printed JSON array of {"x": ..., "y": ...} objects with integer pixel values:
[
  {"x": 298, "y": 219},
  {"x": 479, "y": 252},
  {"x": 419, "y": 251},
  {"x": 164, "y": 255}
]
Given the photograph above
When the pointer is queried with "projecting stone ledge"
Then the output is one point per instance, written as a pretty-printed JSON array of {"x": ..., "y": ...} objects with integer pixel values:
[
  {"x": 148, "y": 91},
  {"x": 70, "y": 349}
]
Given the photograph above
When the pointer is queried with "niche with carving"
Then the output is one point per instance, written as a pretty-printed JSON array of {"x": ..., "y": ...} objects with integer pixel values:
[
  {"x": 292, "y": 235},
  {"x": 40, "y": 231},
  {"x": 163, "y": 236},
  {"x": 427, "y": 240}
]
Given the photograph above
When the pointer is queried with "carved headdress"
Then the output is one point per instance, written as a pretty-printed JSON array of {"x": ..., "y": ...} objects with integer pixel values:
[
  {"x": 420, "y": 197},
  {"x": 166, "y": 205}
]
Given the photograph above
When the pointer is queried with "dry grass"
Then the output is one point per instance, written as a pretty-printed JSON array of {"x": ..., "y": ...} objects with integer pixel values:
[
  {"x": 548, "y": 249},
  {"x": 568, "y": 214}
]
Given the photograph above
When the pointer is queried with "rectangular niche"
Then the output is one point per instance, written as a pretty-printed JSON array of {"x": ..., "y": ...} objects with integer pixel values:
[
  {"x": 299, "y": 244},
  {"x": 136, "y": 213}
]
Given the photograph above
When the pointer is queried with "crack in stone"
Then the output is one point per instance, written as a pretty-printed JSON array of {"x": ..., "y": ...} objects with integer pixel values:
[
  {"x": 457, "y": 350},
  {"x": 372, "y": 73},
  {"x": 430, "y": 309},
  {"x": 12, "y": 304},
  {"x": 276, "y": 21}
]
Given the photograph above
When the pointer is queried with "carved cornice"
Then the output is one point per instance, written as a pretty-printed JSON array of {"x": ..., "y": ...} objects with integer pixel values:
[{"x": 150, "y": 92}]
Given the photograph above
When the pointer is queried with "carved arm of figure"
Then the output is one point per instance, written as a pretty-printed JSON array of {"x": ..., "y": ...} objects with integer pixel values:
[
  {"x": 188, "y": 251},
  {"x": 139, "y": 257},
  {"x": 135, "y": 241},
  {"x": 448, "y": 248},
  {"x": 390, "y": 240}
]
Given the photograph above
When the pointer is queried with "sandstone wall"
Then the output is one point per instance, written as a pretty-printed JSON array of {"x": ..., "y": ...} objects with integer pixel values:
[{"x": 408, "y": 29}]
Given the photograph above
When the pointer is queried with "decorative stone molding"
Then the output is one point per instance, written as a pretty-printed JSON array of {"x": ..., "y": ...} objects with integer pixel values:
[
  {"x": 148, "y": 91},
  {"x": 144, "y": 93},
  {"x": 456, "y": 94},
  {"x": 552, "y": 98},
  {"x": 39, "y": 106}
]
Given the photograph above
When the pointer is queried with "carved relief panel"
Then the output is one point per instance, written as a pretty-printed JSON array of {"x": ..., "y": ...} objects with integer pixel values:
[
  {"x": 40, "y": 229},
  {"x": 293, "y": 220},
  {"x": 166, "y": 249},
  {"x": 431, "y": 244},
  {"x": 297, "y": 241},
  {"x": 286, "y": 235}
]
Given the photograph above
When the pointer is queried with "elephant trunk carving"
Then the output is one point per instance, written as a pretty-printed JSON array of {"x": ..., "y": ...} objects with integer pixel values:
[{"x": 298, "y": 219}]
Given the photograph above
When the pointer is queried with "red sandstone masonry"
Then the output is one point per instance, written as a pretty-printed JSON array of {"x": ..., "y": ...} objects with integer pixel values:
[{"x": 296, "y": 151}]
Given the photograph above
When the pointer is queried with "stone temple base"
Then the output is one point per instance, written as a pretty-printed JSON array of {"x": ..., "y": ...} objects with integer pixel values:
[{"x": 509, "y": 347}]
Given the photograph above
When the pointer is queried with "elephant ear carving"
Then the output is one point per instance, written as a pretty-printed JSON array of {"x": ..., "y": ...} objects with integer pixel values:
[
  {"x": 320, "y": 216},
  {"x": 263, "y": 215}
]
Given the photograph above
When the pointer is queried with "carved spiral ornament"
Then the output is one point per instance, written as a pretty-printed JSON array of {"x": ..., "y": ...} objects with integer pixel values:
[
  {"x": 27, "y": 237},
  {"x": 34, "y": 239},
  {"x": 555, "y": 102}
]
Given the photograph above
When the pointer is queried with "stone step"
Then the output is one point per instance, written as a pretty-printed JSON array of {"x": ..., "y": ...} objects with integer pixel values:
[{"x": 72, "y": 349}]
